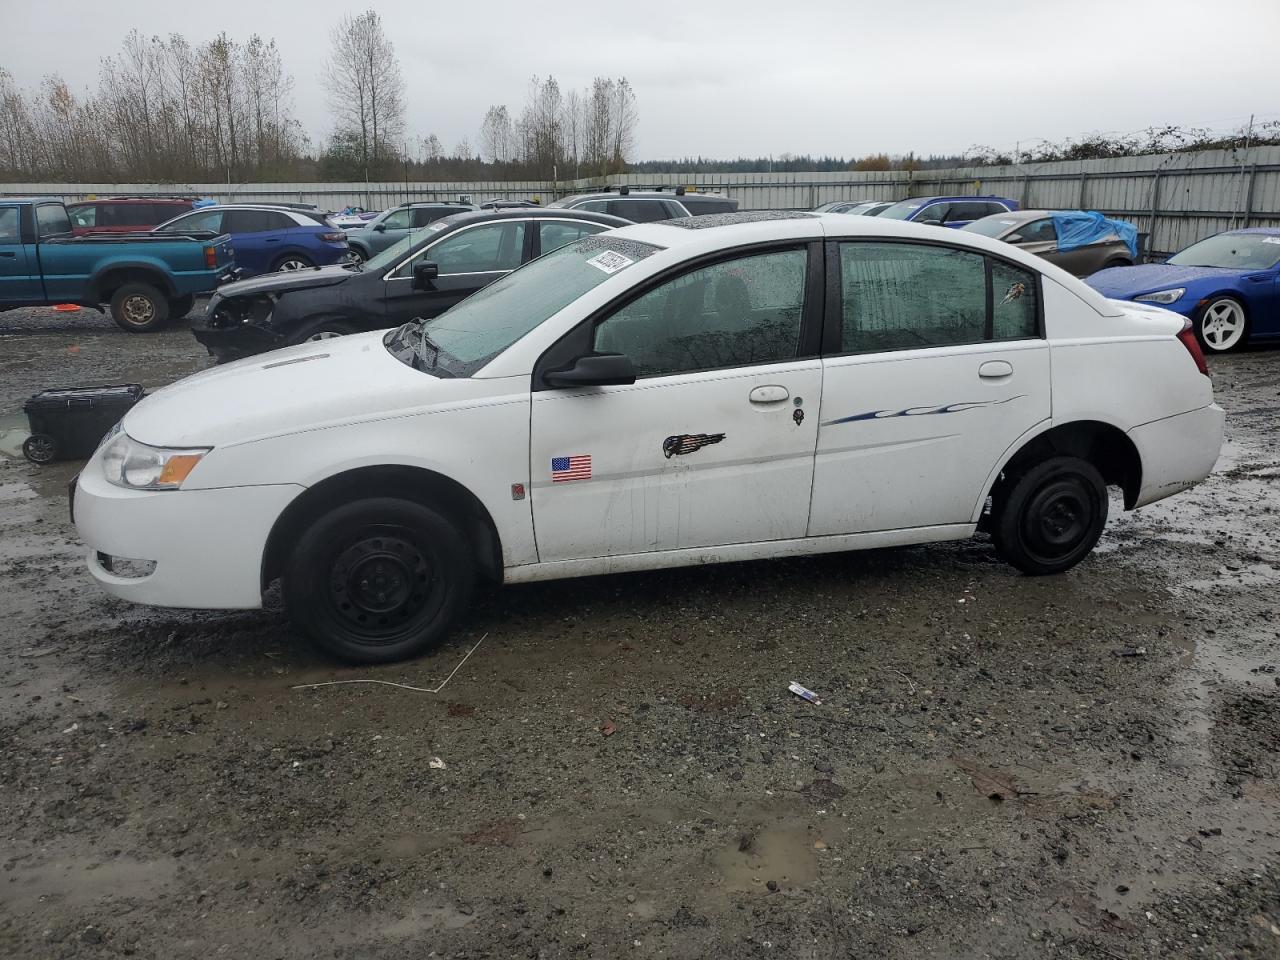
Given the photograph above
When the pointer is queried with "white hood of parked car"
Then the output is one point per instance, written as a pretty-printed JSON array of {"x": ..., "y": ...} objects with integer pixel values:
[{"x": 339, "y": 380}]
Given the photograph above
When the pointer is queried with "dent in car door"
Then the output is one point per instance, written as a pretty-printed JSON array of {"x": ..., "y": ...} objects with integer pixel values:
[
  {"x": 713, "y": 444},
  {"x": 468, "y": 259},
  {"x": 931, "y": 389},
  {"x": 19, "y": 282}
]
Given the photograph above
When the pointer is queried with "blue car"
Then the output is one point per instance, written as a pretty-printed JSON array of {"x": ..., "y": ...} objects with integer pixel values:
[
  {"x": 948, "y": 211},
  {"x": 1227, "y": 285},
  {"x": 268, "y": 238}
]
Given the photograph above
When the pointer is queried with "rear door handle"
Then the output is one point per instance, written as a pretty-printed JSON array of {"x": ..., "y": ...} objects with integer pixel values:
[
  {"x": 995, "y": 370},
  {"x": 8, "y": 253},
  {"x": 771, "y": 393}
]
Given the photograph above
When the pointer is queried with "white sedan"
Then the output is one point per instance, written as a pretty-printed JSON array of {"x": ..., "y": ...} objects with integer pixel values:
[{"x": 695, "y": 391}]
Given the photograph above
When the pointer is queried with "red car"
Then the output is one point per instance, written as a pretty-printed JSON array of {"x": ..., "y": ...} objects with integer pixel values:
[{"x": 125, "y": 214}]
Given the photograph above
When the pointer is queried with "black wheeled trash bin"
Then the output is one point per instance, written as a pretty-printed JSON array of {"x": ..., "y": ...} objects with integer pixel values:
[{"x": 68, "y": 423}]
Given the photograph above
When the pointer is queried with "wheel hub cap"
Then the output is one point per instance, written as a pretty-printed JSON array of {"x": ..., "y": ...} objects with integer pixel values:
[
  {"x": 380, "y": 581},
  {"x": 138, "y": 309}
]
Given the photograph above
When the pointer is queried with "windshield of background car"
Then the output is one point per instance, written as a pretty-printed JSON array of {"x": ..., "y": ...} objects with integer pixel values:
[
  {"x": 1240, "y": 251},
  {"x": 391, "y": 256},
  {"x": 993, "y": 226},
  {"x": 479, "y": 328},
  {"x": 902, "y": 209}
]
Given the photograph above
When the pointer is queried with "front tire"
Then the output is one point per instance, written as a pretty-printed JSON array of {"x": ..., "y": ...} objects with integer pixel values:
[
  {"x": 1052, "y": 516},
  {"x": 379, "y": 580},
  {"x": 1222, "y": 325},
  {"x": 139, "y": 308}
]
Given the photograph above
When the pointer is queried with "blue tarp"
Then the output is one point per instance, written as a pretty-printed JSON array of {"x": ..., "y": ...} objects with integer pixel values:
[
  {"x": 1076, "y": 228},
  {"x": 199, "y": 204}
]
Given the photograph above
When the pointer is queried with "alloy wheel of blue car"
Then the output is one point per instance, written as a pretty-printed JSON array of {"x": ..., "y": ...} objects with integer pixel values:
[{"x": 1222, "y": 325}]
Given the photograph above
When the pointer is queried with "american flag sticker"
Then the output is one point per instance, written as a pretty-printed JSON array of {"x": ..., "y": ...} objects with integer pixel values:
[{"x": 570, "y": 468}]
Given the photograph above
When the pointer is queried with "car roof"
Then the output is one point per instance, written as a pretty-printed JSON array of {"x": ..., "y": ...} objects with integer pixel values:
[
  {"x": 77, "y": 203},
  {"x": 30, "y": 200},
  {"x": 985, "y": 196},
  {"x": 1267, "y": 231},
  {"x": 531, "y": 213},
  {"x": 460, "y": 204}
]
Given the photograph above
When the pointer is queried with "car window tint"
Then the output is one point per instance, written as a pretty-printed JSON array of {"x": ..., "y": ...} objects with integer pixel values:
[
  {"x": 397, "y": 220},
  {"x": 51, "y": 218},
  {"x": 9, "y": 225},
  {"x": 251, "y": 221},
  {"x": 554, "y": 235},
  {"x": 934, "y": 211},
  {"x": 966, "y": 211},
  {"x": 482, "y": 249},
  {"x": 126, "y": 215},
  {"x": 1013, "y": 302},
  {"x": 86, "y": 216},
  {"x": 421, "y": 216},
  {"x": 704, "y": 206},
  {"x": 639, "y": 211},
  {"x": 899, "y": 296},
  {"x": 739, "y": 312}
]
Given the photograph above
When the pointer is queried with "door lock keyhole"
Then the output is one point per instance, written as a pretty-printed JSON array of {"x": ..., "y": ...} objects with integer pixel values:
[{"x": 798, "y": 416}]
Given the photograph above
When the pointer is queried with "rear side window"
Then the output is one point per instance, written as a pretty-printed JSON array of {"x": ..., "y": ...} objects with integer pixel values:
[
  {"x": 86, "y": 216},
  {"x": 256, "y": 221},
  {"x": 9, "y": 223},
  {"x": 702, "y": 206},
  {"x": 51, "y": 219},
  {"x": 904, "y": 296},
  {"x": 555, "y": 234},
  {"x": 639, "y": 211},
  {"x": 127, "y": 215},
  {"x": 595, "y": 206},
  {"x": 969, "y": 211},
  {"x": 425, "y": 215}
]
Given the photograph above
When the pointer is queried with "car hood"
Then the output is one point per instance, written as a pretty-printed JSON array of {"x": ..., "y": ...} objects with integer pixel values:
[
  {"x": 286, "y": 280},
  {"x": 312, "y": 385},
  {"x": 1122, "y": 283}
]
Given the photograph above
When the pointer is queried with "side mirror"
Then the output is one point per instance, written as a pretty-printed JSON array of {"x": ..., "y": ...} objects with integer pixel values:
[
  {"x": 932, "y": 223},
  {"x": 379, "y": 228},
  {"x": 424, "y": 275},
  {"x": 594, "y": 370},
  {"x": 1015, "y": 238}
]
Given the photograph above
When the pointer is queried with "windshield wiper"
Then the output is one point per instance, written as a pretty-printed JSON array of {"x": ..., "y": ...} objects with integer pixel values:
[{"x": 425, "y": 341}]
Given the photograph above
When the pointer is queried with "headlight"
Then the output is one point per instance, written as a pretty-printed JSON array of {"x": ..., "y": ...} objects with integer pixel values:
[
  {"x": 1162, "y": 296},
  {"x": 128, "y": 463}
]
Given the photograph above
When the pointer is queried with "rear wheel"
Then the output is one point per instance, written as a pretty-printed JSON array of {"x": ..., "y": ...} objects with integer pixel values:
[
  {"x": 292, "y": 261},
  {"x": 1052, "y": 516},
  {"x": 1222, "y": 325},
  {"x": 139, "y": 308},
  {"x": 356, "y": 255},
  {"x": 379, "y": 580}
]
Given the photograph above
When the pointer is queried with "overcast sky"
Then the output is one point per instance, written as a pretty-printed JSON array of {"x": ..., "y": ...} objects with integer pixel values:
[{"x": 744, "y": 77}]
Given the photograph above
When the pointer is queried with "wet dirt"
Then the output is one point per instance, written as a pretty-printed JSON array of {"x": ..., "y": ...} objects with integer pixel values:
[{"x": 619, "y": 769}]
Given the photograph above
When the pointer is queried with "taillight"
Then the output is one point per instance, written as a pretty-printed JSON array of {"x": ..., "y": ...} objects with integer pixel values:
[
  {"x": 333, "y": 237},
  {"x": 210, "y": 257},
  {"x": 1188, "y": 338}
]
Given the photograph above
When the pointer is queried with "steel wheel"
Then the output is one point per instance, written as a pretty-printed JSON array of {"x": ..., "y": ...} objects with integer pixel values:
[
  {"x": 138, "y": 310},
  {"x": 1049, "y": 518},
  {"x": 292, "y": 263},
  {"x": 1222, "y": 325},
  {"x": 381, "y": 581}
]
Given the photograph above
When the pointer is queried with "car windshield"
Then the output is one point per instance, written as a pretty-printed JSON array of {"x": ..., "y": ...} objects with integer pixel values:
[
  {"x": 1242, "y": 251},
  {"x": 464, "y": 338},
  {"x": 993, "y": 226},
  {"x": 902, "y": 209}
]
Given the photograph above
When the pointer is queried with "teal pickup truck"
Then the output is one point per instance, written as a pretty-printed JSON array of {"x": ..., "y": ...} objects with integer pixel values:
[{"x": 146, "y": 278}]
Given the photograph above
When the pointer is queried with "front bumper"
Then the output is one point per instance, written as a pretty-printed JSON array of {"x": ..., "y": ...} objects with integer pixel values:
[
  {"x": 1177, "y": 452},
  {"x": 234, "y": 340},
  {"x": 207, "y": 545}
]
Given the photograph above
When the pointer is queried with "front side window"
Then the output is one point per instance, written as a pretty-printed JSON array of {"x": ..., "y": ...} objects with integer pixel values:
[
  {"x": 902, "y": 210},
  {"x": 1038, "y": 231},
  {"x": 739, "y": 312},
  {"x": 488, "y": 248},
  {"x": 904, "y": 296},
  {"x": 210, "y": 220},
  {"x": 86, "y": 216},
  {"x": 52, "y": 219},
  {"x": 934, "y": 212},
  {"x": 555, "y": 234}
]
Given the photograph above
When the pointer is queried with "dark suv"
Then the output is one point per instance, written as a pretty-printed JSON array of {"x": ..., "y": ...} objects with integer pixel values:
[
  {"x": 421, "y": 276},
  {"x": 649, "y": 205},
  {"x": 125, "y": 214}
]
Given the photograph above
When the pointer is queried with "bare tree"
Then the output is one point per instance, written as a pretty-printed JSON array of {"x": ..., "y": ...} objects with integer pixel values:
[
  {"x": 496, "y": 135},
  {"x": 366, "y": 91}
]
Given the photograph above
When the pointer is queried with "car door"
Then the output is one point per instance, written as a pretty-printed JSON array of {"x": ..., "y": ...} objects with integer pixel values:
[
  {"x": 259, "y": 239},
  {"x": 1041, "y": 238},
  {"x": 941, "y": 366},
  {"x": 468, "y": 258},
  {"x": 19, "y": 271},
  {"x": 713, "y": 443}
]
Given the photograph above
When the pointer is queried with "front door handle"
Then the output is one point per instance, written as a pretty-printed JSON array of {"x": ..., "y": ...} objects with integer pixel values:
[
  {"x": 995, "y": 370},
  {"x": 772, "y": 393},
  {"x": 8, "y": 253}
]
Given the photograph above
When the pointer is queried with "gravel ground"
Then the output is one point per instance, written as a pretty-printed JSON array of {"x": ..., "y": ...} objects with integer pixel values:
[{"x": 1080, "y": 766}]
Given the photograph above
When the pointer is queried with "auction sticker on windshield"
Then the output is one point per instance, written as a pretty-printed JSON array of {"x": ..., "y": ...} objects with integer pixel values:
[{"x": 609, "y": 261}]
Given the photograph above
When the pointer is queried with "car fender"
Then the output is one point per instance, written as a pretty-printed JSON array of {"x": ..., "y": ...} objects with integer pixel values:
[{"x": 157, "y": 271}]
